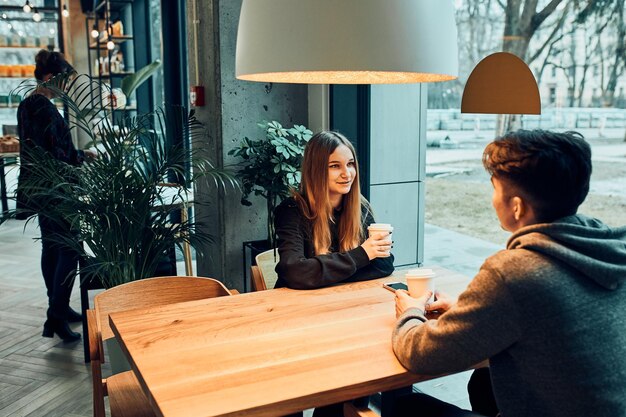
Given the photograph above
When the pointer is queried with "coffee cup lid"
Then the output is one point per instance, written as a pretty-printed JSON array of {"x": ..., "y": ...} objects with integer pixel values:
[
  {"x": 380, "y": 226},
  {"x": 420, "y": 272}
]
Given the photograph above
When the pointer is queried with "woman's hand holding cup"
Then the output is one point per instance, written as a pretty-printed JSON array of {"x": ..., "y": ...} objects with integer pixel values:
[{"x": 378, "y": 245}]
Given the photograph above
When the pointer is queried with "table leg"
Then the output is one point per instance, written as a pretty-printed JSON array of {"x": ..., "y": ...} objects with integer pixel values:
[
  {"x": 84, "y": 305},
  {"x": 186, "y": 246},
  {"x": 3, "y": 190}
]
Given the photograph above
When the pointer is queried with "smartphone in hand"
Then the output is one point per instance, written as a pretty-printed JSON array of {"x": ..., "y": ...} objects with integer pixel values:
[{"x": 393, "y": 286}]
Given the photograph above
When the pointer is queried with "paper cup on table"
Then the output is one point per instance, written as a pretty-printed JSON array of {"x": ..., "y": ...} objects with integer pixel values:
[
  {"x": 380, "y": 228},
  {"x": 419, "y": 281}
]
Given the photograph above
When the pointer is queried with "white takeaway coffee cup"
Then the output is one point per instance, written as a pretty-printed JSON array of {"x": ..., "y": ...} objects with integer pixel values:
[
  {"x": 419, "y": 281},
  {"x": 380, "y": 228}
]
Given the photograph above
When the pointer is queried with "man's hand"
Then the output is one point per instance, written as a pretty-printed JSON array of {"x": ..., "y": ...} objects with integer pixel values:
[
  {"x": 443, "y": 303},
  {"x": 404, "y": 301}
]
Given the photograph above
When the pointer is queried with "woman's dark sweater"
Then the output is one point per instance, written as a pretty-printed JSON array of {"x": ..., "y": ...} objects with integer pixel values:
[
  {"x": 41, "y": 126},
  {"x": 300, "y": 268}
]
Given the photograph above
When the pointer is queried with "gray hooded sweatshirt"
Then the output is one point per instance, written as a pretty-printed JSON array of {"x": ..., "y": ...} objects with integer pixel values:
[{"x": 549, "y": 313}]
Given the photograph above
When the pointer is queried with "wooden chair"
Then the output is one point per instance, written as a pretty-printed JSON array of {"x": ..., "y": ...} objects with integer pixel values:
[
  {"x": 257, "y": 279},
  {"x": 263, "y": 273},
  {"x": 350, "y": 410},
  {"x": 126, "y": 397}
]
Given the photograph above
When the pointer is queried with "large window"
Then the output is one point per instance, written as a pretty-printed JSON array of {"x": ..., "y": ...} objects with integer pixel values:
[{"x": 577, "y": 56}]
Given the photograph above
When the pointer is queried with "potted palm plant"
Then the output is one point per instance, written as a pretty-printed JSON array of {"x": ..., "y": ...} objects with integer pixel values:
[
  {"x": 270, "y": 167},
  {"x": 120, "y": 212}
]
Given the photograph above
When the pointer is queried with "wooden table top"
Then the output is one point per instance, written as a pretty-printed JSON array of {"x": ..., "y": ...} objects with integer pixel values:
[{"x": 268, "y": 353}]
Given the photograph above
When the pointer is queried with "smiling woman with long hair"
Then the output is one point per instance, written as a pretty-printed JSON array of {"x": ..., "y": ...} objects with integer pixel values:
[{"x": 322, "y": 229}]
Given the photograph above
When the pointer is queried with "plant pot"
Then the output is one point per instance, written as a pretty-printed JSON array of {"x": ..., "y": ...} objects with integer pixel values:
[
  {"x": 165, "y": 267},
  {"x": 256, "y": 247},
  {"x": 167, "y": 264}
]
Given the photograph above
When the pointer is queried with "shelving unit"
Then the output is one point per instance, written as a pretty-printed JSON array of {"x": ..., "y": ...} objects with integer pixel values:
[
  {"x": 9, "y": 48},
  {"x": 20, "y": 39},
  {"x": 113, "y": 20},
  {"x": 116, "y": 39}
]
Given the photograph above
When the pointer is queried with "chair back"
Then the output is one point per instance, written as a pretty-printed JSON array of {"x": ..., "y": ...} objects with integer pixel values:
[
  {"x": 256, "y": 279},
  {"x": 152, "y": 292},
  {"x": 266, "y": 263}
]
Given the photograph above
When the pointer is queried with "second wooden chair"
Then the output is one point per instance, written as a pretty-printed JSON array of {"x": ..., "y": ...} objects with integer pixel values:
[{"x": 263, "y": 274}]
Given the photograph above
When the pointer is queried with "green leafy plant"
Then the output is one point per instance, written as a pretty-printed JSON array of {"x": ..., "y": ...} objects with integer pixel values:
[
  {"x": 270, "y": 167},
  {"x": 120, "y": 212},
  {"x": 131, "y": 82}
]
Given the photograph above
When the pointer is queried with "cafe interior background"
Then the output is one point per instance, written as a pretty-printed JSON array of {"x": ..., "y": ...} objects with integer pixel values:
[{"x": 415, "y": 144}]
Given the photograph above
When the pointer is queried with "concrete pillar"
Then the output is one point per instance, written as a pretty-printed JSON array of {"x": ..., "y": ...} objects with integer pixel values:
[{"x": 231, "y": 113}]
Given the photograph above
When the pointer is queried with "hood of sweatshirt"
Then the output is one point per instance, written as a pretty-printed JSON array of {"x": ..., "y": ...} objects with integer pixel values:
[{"x": 584, "y": 243}]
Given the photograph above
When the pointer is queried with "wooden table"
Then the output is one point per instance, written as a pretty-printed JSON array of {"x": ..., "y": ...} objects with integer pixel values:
[{"x": 268, "y": 353}]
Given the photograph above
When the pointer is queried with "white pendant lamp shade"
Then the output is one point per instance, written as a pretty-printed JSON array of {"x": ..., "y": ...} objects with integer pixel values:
[{"x": 347, "y": 41}]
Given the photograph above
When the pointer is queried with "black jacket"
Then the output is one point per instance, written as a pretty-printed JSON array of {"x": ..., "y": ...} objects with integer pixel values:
[
  {"x": 300, "y": 268},
  {"x": 41, "y": 128}
]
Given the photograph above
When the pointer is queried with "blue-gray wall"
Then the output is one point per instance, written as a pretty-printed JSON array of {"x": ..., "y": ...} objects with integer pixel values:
[{"x": 397, "y": 165}]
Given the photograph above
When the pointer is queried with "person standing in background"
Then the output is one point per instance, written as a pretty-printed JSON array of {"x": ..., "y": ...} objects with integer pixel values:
[{"x": 41, "y": 127}]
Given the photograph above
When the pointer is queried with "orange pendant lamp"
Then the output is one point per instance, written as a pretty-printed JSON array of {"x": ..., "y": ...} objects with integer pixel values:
[{"x": 501, "y": 84}]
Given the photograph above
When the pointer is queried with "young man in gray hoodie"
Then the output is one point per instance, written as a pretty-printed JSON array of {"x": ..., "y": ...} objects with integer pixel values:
[{"x": 549, "y": 311}]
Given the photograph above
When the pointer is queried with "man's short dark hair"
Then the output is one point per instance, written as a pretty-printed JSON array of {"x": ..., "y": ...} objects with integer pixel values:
[{"x": 551, "y": 170}]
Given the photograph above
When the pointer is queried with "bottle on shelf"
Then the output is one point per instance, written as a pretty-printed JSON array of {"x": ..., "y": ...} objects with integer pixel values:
[
  {"x": 117, "y": 62},
  {"x": 117, "y": 29},
  {"x": 16, "y": 71},
  {"x": 16, "y": 40},
  {"x": 120, "y": 60}
]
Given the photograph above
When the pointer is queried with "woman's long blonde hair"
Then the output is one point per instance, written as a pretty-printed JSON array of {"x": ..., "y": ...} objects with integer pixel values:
[{"x": 314, "y": 198}]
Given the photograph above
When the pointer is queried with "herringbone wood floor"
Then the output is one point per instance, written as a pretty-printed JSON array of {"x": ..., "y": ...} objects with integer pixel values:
[{"x": 38, "y": 376}]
